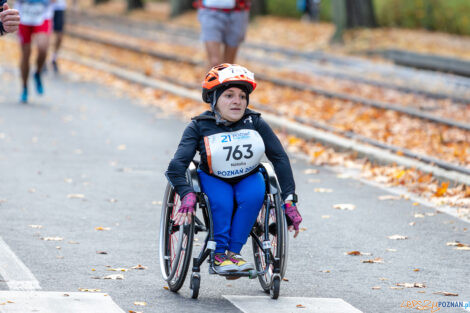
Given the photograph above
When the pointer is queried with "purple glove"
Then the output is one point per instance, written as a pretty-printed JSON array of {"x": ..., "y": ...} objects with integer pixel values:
[
  {"x": 292, "y": 214},
  {"x": 188, "y": 203}
]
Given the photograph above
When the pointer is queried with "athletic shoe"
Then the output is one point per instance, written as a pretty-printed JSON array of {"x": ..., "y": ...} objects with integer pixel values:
[
  {"x": 37, "y": 79},
  {"x": 242, "y": 264},
  {"x": 55, "y": 66},
  {"x": 24, "y": 96},
  {"x": 223, "y": 264}
]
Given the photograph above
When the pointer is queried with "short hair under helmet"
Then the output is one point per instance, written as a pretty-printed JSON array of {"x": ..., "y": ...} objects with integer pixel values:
[{"x": 227, "y": 74}]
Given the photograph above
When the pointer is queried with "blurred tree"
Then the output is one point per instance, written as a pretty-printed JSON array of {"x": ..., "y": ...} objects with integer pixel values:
[
  {"x": 178, "y": 7},
  {"x": 100, "y": 1},
  {"x": 351, "y": 14},
  {"x": 134, "y": 4},
  {"x": 339, "y": 18},
  {"x": 258, "y": 7}
]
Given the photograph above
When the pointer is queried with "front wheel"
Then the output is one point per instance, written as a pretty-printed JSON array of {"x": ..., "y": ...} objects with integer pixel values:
[
  {"x": 176, "y": 242},
  {"x": 277, "y": 230}
]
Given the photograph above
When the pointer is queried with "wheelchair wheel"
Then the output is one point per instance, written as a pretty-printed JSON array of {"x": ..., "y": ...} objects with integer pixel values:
[
  {"x": 195, "y": 284},
  {"x": 277, "y": 228},
  {"x": 176, "y": 242}
]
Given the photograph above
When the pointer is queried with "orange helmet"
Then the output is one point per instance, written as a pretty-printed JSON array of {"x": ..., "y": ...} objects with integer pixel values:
[{"x": 227, "y": 74}]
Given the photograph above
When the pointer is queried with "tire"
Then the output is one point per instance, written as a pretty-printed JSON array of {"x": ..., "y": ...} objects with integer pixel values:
[
  {"x": 195, "y": 284},
  {"x": 176, "y": 242},
  {"x": 275, "y": 287},
  {"x": 278, "y": 237}
]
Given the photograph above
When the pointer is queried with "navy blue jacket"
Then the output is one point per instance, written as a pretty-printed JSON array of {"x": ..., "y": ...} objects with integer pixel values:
[{"x": 205, "y": 125}]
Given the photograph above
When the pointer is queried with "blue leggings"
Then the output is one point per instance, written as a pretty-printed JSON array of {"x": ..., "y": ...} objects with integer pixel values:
[{"x": 231, "y": 233}]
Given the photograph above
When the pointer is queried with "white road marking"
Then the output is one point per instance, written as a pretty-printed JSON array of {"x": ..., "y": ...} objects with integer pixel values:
[
  {"x": 14, "y": 272},
  {"x": 258, "y": 304},
  {"x": 56, "y": 302}
]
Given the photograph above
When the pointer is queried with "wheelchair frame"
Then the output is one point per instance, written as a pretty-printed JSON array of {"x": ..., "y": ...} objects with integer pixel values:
[{"x": 269, "y": 238}]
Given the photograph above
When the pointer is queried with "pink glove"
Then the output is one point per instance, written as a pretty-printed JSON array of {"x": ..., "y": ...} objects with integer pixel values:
[
  {"x": 188, "y": 203},
  {"x": 293, "y": 215},
  {"x": 187, "y": 209}
]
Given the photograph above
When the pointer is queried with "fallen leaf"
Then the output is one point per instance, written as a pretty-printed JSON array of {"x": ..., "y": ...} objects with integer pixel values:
[
  {"x": 344, "y": 206},
  {"x": 156, "y": 202},
  {"x": 415, "y": 203},
  {"x": 456, "y": 244},
  {"x": 311, "y": 171},
  {"x": 130, "y": 311},
  {"x": 463, "y": 248},
  {"x": 313, "y": 181},
  {"x": 353, "y": 253},
  {"x": 139, "y": 267},
  {"x": 142, "y": 303},
  {"x": 166, "y": 287},
  {"x": 391, "y": 250},
  {"x": 76, "y": 196},
  {"x": 412, "y": 285},
  {"x": 300, "y": 306},
  {"x": 394, "y": 287},
  {"x": 376, "y": 288},
  {"x": 121, "y": 147},
  {"x": 325, "y": 216},
  {"x": 35, "y": 226},
  {"x": 52, "y": 238},
  {"x": 68, "y": 180},
  {"x": 445, "y": 293},
  {"x": 343, "y": 176},
  {"x": 376, "y": 260},
  {"x": 383, "y": 278},
  {"x": 88, "y": 290},
  {"x": 442, "y": 189},
  {"x": 416, "y": 270},
  {"x": 389, "y": 197},
  {"x": 101, "y": 252},
  {"x": 114, "y": 277},
  {"x": 419, "y": 215},
  {"x": 323, "y": 190},
  {"x": 412, "y": 223},
  {"x": 112, "y": 200},
  {"x": 397, "y": 237},
  {"x": 73, "y": 242},
  {"x": 326, "y": 271},
  {"x": 118, "y": 269},
  {"x": 285, "y": 279},
  {"x": 32, "y": 190},
  {"x": 302, "y": 229},
  {"x": 100, "y": 228}
]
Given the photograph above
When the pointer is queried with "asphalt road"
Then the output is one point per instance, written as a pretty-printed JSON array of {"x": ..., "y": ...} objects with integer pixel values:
[{"x": 83, "y": 157}]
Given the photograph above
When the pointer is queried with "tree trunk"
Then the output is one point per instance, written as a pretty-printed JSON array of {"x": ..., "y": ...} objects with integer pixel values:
[
  {"x": 360, "y": 13},
  {"x": 339, "y": 18},
  {"x": 258, "y": 7},
  {"x": 134, "y": 4},
  {"x": 178, "y": 7}
]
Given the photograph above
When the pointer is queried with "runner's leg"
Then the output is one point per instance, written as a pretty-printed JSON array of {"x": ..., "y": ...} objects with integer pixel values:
[
  {"x": 213, "y": 53},
  {"x": 230, "y": 54},
  {"x": 25, "y": 56}
]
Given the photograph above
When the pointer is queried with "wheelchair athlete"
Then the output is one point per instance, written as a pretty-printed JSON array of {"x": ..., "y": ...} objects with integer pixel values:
[{"x": 231, "y": 140}]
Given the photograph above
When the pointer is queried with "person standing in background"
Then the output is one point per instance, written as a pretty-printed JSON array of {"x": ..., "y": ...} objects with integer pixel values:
[
  {"x": 223, "y": 25},
  {"x": 58, "y": 25},
  {"x": 35, "y": 21}
]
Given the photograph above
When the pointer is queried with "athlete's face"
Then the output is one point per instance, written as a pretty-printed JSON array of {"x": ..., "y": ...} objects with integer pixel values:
[{"x": 232, "y": 104}]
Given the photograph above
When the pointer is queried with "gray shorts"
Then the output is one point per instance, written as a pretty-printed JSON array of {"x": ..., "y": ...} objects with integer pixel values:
[{"x": 225, "y": 27}]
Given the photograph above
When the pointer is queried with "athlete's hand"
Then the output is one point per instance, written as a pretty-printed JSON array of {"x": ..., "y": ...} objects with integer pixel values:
[
  {"x": 10, "y": 19},
  {"x": 187, "y": 209},
  {"x": 293, "y": 217}
]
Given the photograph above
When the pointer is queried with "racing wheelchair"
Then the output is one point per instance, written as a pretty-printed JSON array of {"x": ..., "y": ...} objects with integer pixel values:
[{"x": 268, "y": 236}]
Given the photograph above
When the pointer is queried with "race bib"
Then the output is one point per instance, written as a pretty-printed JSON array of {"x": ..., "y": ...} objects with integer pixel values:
[
  {"x": 219, "y": 4},
  {"x": 33, "y": 12},
  {"x": 234, "y": 154}
]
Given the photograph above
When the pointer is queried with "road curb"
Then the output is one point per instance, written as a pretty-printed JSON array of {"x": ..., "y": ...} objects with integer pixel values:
[{"x": 292, "y": 127}]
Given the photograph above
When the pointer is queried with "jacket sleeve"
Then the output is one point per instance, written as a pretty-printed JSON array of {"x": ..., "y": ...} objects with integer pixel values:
[
  {"x": 278, "y": 157},
  {"x": 187, "y": 147}
]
